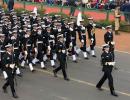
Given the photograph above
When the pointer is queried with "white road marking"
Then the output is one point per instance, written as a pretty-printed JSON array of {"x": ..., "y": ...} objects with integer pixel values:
[
  {"x": 84, "y": 82},
  {"x": 62, "y": 98}
]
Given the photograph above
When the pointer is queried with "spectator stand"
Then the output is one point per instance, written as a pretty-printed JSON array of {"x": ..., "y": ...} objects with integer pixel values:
[{"x": 103, "y": 14}]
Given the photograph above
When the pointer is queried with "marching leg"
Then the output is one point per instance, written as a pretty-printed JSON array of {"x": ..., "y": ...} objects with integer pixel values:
[
  {"x": 55, "y": 56},
  {"x": 18, "y": 72},
  {"x": 92, "y": 51},
  {"x": 45, "y": 58},
  {"x": 88, "y": 49},
  {"x": 85, "y": 55},
  {"x": 100, "y": 83},
  {"x": 74, "y": 58},
  {"x": 64, "y": 73},
  {"x": 53, "y": 63},
  {"x": 5, "y": 86},
  {"x": 31, "y": 67},
  {"x": 43, "y": 65},
  {"x": 23, "y": 64}
]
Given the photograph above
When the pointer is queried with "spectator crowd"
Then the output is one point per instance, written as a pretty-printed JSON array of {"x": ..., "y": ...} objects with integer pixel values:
[{"x": 98, "y": 4}]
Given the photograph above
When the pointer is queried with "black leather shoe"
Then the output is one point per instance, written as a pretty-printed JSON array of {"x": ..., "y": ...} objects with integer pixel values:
[
  {"x": 94, "y": 56},
  {"x": 54, "y": 66},
  {"x": 55, "y": 75},
  {"x": 33, "y": 64},
  {"x": 4, "y": 90},
  {"x": 86, "y": 58},
  {"x": 15, "y": 96},
  {"x": 69, "y": 54},
  {"x": 22, "y": 67},
  {"x": 99, "y": 88},
  {"x": 44, "y": 68},
  {"x": 114, "y": 94},
  {"x": 20, "y": 75},
  {"x": 116, "y": 68},
  {"x": 33, "y": 71},
  {"x": 75, "y": 61},
  {"x": 67, "y": 79}
]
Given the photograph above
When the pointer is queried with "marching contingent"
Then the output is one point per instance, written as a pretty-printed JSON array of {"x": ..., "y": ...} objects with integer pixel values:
[{"x": 29, "y": 39}]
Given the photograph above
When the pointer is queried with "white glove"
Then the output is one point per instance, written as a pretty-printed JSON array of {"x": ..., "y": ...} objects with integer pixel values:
[
  {"x": 26, "y": 53},
  {"x": 39, "y": 32},
  {"x": 63, "y": 51},
  {"x": 23, "y": 19},
  {"x": 25, "y": 22},
  {"x": 49, "y": 48},
  {"x": 59, "y": 30},
  {"x": 64, "y": 39},
  {"x": 113, "y": 43},
  {"x": 29, "y": 26},
  {"x": 20, "y": 30},
  {"x": 10, "y": 32},
  {"x": 71, "y": 29},
  {"x": 26, "y": 35},
  {"x": 35, "y": 49},
  {"x": 43, "y": 26},
  {"x": 110, "y": 63},
  {"x": 12, "y": 66},
  {"x": 52, "y": 36},
  {"x": 71, "y": 44},
  {"x": 92, "y": 40},
  {"x": 5, "y": 75},
  {"x": 82, "y": 41},
  {"x": 13, "y": 38},
  {"x": 83, "y": 28},
  {"x": 94, "y": 25}
]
